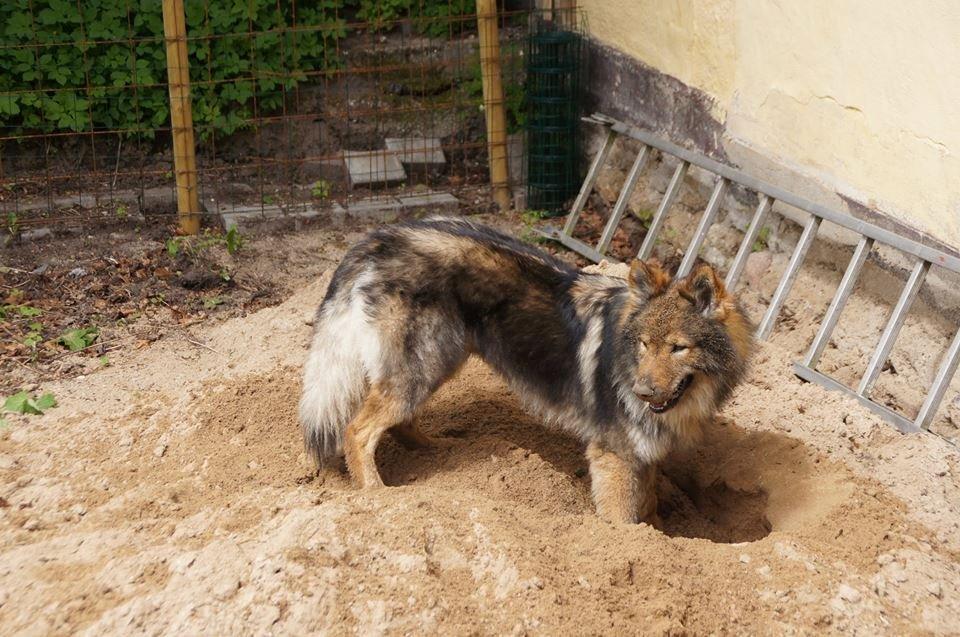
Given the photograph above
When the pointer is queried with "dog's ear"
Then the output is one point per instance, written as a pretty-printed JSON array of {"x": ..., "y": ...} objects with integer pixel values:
[
  {"x": 648, "y": 278},
  {"x": 706, "y": 292}
]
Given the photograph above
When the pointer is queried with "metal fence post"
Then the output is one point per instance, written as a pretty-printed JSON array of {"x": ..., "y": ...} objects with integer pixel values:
[
  {"x": 181, "y": 116},
  {"x": 493, "y": 102}
]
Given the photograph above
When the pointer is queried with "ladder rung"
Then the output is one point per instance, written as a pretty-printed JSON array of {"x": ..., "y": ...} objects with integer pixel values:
[
  {"x": 621, "y": 206},
  {"x": 574, "y": 244},
  {"x": 676, "y": 182},
  {"x": 894, "y": 323},
  {"x": 898, "y": 421},
  {"x": 746, "y": 246},
  {"x": 703, "y": 227},
  {"x": 587, "y": 187},
  {"x": 789, "y": 275},
  {"x": 948, "y": 366},
  {"x": 843, "y": 292}
]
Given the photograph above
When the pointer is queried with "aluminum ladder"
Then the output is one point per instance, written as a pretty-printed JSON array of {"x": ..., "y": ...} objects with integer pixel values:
[{"x": 870, "y": 235}]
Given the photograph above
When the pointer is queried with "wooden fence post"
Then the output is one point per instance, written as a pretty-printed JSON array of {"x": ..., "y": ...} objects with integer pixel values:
[
  {"x": 493, "y": 102},
  {"x": 181, "y": 116}
]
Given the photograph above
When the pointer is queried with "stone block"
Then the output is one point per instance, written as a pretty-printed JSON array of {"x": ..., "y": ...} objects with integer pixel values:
[{"x": 373, "y": 167}]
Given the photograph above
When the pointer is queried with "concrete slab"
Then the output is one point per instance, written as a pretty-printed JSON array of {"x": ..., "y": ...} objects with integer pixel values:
[
  {"x": 246, "y": 216},
  {"x": 433, "y": 202},
  {"x": 417, "y": 150},
  {"x": 373, "y": 167},
  {"x": 375, "y": 208}
]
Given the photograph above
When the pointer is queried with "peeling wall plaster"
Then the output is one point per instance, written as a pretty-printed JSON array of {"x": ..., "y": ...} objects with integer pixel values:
[{"x": 860, "y": 99}]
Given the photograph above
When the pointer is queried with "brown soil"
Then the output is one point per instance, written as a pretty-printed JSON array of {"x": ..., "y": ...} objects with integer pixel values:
[{"x": 168, "y": 494}]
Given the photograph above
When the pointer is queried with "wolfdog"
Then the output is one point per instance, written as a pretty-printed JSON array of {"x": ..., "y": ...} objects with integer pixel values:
[{"x": 633, "y": 368}]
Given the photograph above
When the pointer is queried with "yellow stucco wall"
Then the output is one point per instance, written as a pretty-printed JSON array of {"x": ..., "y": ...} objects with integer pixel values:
[{"x": 862, "y": 95}]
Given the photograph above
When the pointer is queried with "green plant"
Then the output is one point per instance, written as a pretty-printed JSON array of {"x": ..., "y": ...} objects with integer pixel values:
[
  {"x": 212, "y": 302},
  {"x": 233, "y": 240},
  {"x": 173, "y": 246},
  {"x": 645, "y": 216},
  {"x": 762, "y": 239},
  {"x": 13, "y": 221},
  {"x": 320, "y": 189},
  {"x": 514, "y": 93},
  {"x": 25, "y": 311},
  {"x": 78, "y": 339},
  {"x": 530, "y": 219},
  {"x": 34, "y": 335},
  {"x": 104, "y": 361},
  {"x": 23, "y": 403},
  {"x": 122, "y": 212},
  {"x": 431, "y": 17},
  {"x": 72, "y": 66}
]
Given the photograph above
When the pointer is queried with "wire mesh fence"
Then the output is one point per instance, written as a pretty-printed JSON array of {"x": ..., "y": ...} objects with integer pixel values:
[{"x": 309, "y": 105}]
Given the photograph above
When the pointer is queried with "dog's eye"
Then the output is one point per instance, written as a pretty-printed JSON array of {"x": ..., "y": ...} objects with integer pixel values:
[{"x": 679, "y": 349}]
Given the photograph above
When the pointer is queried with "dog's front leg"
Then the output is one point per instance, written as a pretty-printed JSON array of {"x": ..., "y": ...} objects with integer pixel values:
[{"x": 623, "y": 489}]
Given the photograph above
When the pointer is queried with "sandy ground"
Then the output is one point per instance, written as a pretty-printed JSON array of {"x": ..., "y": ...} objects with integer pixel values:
[{"x": 168, "y": 494}]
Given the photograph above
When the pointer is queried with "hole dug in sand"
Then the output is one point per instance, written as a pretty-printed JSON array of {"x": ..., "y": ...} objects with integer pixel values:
[
  {"x": 739, "y": 486},
  {"x": 717, "y": 512},
  {"x": 713, "y": 491}
]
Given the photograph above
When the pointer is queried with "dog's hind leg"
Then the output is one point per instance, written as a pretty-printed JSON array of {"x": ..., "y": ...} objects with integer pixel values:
[
  {"x": 622, "y": 488},
  {"x": 380, "y": 411},
  {"x": 420, "y": 354},
  {"x": 409, "y": 435}
]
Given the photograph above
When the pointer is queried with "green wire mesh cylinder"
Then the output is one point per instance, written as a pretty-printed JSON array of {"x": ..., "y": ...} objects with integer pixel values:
[{"x": 552, "y": 95}]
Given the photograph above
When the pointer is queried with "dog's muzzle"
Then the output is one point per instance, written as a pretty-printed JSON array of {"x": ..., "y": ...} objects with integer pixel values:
[{"x": 658, "y": 405}]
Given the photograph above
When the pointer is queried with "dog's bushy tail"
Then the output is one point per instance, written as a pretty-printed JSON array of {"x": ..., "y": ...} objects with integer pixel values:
[{"x": 337, "y": 373}]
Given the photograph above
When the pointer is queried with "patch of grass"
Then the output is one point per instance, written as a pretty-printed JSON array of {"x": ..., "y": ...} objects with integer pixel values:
[
  {"x": 212, "y": 302},
  {"x": 645, "y": 216},
  {"x": 530, "y": 219},
  {"x": 762, "y": 240},
  {"x": 192, "y": 247}
]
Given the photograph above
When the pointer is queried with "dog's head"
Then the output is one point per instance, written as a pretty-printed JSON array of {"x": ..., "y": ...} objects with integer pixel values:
[{"x": 691, "y": 340}]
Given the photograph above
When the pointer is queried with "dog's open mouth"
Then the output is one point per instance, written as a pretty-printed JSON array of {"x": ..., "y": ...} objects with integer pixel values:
[{"x": 659, "y": 408}]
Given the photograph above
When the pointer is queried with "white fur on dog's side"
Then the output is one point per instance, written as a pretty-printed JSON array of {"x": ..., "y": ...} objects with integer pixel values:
[
  {"x": 343, "y": 359},
  {"x": 587, "y": 355}
]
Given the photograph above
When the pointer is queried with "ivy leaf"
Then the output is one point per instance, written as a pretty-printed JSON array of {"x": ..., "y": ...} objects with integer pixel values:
[
  {"x": 46, "y": 401},
  {"x": 76, "y": 340},
  {"x": 17, "y": 402},
  {"x": 21, "y": 403}
]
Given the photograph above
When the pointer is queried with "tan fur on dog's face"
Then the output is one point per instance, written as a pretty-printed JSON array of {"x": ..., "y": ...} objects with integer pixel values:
[{"x": 682, "y": 335}]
